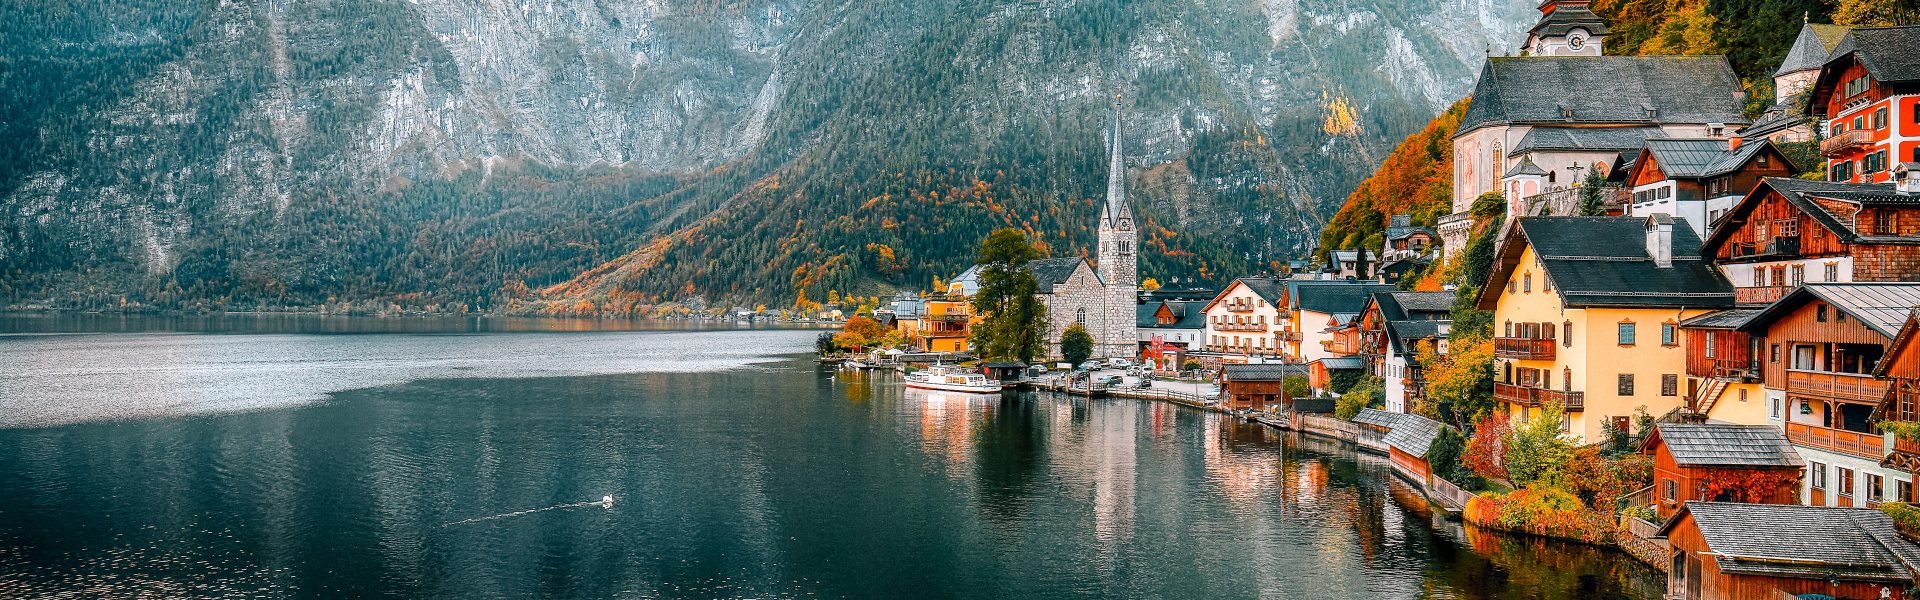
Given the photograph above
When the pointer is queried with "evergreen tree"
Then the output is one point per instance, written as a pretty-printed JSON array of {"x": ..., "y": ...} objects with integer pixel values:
[
  {"x": 1591, "y": 197},
  {"x": 1076, "y": 345},
  {"x": 1015, "y": 322}
]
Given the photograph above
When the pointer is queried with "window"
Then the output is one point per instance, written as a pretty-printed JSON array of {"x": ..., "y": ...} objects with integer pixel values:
[
  {"x": 1764, "y": 160},
  {"x": 1820, "y": 313},
  {"x": 1527, "y": 283},
  {"x": 1775, "y": 353},
  {"x": 1743, "y": 394},
  {"x": 1626, "y": 384},
  {"x": 1860, "y": 122},
  {"x": 1880, "y": 118},
  {"x": 1775, "y": 411},
  {"x": 1567, "y": 340},
  {"x": 1669, "y": 334},
  {"x": 1779, "y": 276},
  {"x": 1832, "y": 271},
  {"x": 1759, "y": 277},
  {"x": 1669, "y": 491},
  {"x": 1843, "y": 481},
  {"x": 1759, "y": 230},
  {"x": 1509, "y": 286},
  {"x": 1509, "y": 329},
  {"x": 1797, "y": 275},
  {"x": 1710, "y": 338},
  {"x": 1856, "y": 86},
  {"x": 1876, "y": 487},
  {"x": 1669, "y": 385},
  {"x": 1903, "y": 490},
  {"x": 1626, "y": 333},
  {"x": 1080, "y": 317},
  {"x": 1842, "y": 171},
  {"x": 1817, "y": 475},
  {"x": 1546, "y": 283}
]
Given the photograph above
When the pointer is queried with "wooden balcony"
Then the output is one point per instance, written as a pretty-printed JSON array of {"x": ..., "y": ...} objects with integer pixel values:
[
  {"x": 1733, "y": 369},
  {"x": 1760, "y": 295},
  {"x": 1240, "y": 327},
  {"x": 1840, "y": 387},
  {"x": 1532, "y": 396},
  {"x": 1840, "y": 143},
  {"x": 1239, "y": 307},
  {"x": 1853, "y": 443},
  {"x": 1778, "y": 247},
  {"x": 1523, "y": 348},
  {"x": 1906, "y": 445}
]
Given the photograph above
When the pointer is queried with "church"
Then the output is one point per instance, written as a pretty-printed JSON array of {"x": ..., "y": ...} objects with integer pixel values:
[{"x": 1101, "y": 298}]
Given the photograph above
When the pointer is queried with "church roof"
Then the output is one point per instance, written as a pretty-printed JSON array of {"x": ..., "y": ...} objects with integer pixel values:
[
  {"x": 1525, "y": 167},
  {"x": 1116, "y": 209},
  {"x": 1565, "y": 19},
  {"x": 1049, "y": 272},
  {"x": 1589, "y": 139},
  {"x": 1811, "y": 49},
  {"x": 1644, "y": 90}
]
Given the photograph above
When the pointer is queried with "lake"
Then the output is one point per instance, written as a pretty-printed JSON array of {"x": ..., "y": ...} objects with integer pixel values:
[{"x": 353, "y": 457}]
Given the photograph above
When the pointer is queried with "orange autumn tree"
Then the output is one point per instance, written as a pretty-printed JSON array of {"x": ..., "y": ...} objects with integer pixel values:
[
  {"x": 1416, "y": 179},
  {"x": 1750, "y": 486}
]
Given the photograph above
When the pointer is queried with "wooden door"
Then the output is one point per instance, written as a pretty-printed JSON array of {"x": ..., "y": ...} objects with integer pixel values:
[
  {"x": 1693, "y": 578},
  {"x": 1677, "y": 576}
]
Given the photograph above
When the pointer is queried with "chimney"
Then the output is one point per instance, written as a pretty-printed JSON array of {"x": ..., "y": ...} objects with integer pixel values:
[
  {"x": 1906, "y": 179},
  {"x": 1660, "y": 239}
]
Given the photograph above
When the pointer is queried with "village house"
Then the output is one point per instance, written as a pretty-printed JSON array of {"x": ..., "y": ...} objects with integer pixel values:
[
  {"x": 1346, "y": 264},
  {"x": 1694, "y": 462},
  {"x": 1246, "y": 323},
  {"x": 1392, "y": 326},
  {"x": 1539, "y": 123},
  {"x": 1169, "y": 329},
  {"x": 1868, "y": 94},
  {"x": 1405, "y": 241},
  {"x": 1587, "y": 315},
  {"x": 944, "y": 325},
  {"x": 1786, "y": 120},
  {"x": 1735, "y": 551},
  {"x": 1254, "y": 387},
  {"x": 1405, "y": 438},
  {"x": 1822, "y": 343},
  {"x": 1791, "y": 231},
  {"x": 1700, "y": 179},
  {"x": 1723, "y": 368},
  {"x": 1323, "y": 312},
  {"x": 1900, "y": 371}
]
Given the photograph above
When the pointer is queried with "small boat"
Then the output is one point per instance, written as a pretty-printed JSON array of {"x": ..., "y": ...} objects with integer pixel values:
[{"x": 939, "y": 377}]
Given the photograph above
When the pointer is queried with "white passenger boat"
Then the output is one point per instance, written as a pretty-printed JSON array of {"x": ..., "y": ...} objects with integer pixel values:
[{"x": 950, "y": 379}]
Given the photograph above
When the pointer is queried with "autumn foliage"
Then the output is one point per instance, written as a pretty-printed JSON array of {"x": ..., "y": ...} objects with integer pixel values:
[
  {"x": 1416, "y": 179},
  {"x": 1751, "y": 486},
  {"x": 1486, "y": 451}
]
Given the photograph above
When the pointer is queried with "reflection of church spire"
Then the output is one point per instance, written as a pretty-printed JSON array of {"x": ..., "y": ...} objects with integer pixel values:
[{"x": 1117, "y": 213}]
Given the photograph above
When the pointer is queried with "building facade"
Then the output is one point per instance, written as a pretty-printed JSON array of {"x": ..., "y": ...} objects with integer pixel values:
[{"x": 1868, "y": 95}]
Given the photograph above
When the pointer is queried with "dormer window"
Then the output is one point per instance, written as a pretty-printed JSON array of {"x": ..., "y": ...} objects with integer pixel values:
[{"x": 1652, "y": 113}]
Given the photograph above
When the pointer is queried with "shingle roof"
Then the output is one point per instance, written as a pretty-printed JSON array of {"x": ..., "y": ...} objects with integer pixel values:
[
  {"x": 1812, "y": 542},
  {"x": 1336, "y": 298},
  {"x": 1613, "y": 89},
  {"x": 1686, "y": 157},
  {"x": 1881, "y": 306},
  {"x": 1394, "y": 233},
  {"x": 1603, "y": 261},
  {"x": 1412, "y": 434},
  {"x": 1375, "y": 417},
  {"x": 1731, "y": 318},
  {"x": 1811, "y": 49},
  {"x": 1525, "y": 167},
  {"x": 1726, "y": 445},
  {"x": 1425, "y": 302},
  {"x": 1774, "y": 118},
  {"x": 1269, "y": 288},
  {"x": 1187, "y": 314},
  {"x": 1602, "y": 139},
  {"x": 1565, "y": 19},
  {"x": 1340, "y": 363},
  {"x": 1258, "y": 372},
  {"x": 1400, "y": 333},
  {"x": 1049, "y": 272},
  {"x": 1888, "y": 52}
]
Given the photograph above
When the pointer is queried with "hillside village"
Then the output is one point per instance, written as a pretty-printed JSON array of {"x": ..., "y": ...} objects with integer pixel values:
[{"x": 1644, "y": 323}]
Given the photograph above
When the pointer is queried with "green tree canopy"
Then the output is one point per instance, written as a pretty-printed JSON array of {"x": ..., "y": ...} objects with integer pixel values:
[
  {"x": 1076, "y": 345},
  {"x": 1014, "y": 321}
]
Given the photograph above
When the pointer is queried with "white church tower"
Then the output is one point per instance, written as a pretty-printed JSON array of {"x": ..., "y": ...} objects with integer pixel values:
[{"x": 1119, "y": 255}]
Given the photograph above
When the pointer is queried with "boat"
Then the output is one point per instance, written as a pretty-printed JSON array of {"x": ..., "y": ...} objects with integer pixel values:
[{"x": 950, "y": 379}]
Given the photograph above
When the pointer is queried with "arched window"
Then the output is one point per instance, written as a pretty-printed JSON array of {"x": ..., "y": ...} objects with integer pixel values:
[{"x": 1080, "y": 317}]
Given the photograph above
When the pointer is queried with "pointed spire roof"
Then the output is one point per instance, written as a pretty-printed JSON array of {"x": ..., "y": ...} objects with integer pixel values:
[
  {"x": 1811, "y": 49},
  {"x": 1116, "y": 207}
]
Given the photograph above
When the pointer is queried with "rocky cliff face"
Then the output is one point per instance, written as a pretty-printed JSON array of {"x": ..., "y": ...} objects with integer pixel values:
[{"x": 243, "y": 153}]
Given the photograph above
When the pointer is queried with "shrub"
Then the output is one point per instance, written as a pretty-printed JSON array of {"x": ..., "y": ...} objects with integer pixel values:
[
  {"x": 1297, "y": 387},
  {"x": 1905, "y": 517},
  {"x": 1537, "y": 450},
  {"x": 1600, "y": 480},
  {"x": 1542, "y": 510},
  {"x": 1367, "y": 392},
  {"x": 1444, "y": 455},
  {"x": 1487, "y": 450}
]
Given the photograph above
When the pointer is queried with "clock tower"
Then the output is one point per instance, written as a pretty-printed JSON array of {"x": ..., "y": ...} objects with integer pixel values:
[{"x": 1566, "y": 28}]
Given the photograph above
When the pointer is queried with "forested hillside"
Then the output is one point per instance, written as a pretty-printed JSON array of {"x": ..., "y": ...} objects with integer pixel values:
[
  {"x": 469, "y": 154},
  {"x": 1415, "y": 180}
]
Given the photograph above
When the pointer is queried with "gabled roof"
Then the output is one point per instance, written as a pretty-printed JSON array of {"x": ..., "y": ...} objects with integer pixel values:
[
  {"x": 1612, "y": 90},
  {"x": 1584, "y": 139},
  {"x": 1259, "y": 372},
  {"x": 1887, "y": 52},
  {"x": 1187, "y": 314},
  {"x": 1410, "y": 433},
  {"x": 1811, "y": 49},
  {"x": 1725, "y": 445},
  {"x": 1801, "y": 194},
  {"x": 1403, "y": 334},
  {"x": 1396, "y": 305},
  {"x": 1339, "y": 298},
  {"x": 1049, "y": 272},
  {"x": 1731, "y": 318},
  {"x": 1901, "y": 344},
  {"x": 1808, "y": 542},
  {"x": 1603, "y": 261},
  {"x": 1340, "y": 363},
  {"x": 1400, "y": 232},
  {"x": 1525, "y": 167},
  {"x": 1374, "y": 417},
  {"x": 1774, "y": 118},
  {"x": 1271, "y": 289},
  {"x": 1695, "y": 158},
  {"x": 1882, "y": 307}
]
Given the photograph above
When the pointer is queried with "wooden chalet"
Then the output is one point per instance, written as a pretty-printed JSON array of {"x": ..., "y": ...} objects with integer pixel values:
[
  {"x": 1900, "y": 370},
  {"x": 1791, "y": 231},
  {"x": 1868, "y": 94},
  {"x": 1320, "y": 372},
  {"x": 1700, "y": 179},
  {"x": 1723, "y": 367},
  {"x": 1735, "y": 551},
  {"x": 1706, "y": 461},
  {"x": 1823, "y": 343},
  {"x": 1255, "y": 386}
]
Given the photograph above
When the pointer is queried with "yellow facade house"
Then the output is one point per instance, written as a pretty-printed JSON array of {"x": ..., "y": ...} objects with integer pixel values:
[
  {"x": 1587, "y": 313},
  {"x": 946, "y": 324}
]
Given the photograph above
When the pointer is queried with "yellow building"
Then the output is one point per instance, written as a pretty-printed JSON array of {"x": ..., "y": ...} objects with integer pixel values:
[
  {"x": 945, "y": 324},
  {"x": 1587, "y": 313}
]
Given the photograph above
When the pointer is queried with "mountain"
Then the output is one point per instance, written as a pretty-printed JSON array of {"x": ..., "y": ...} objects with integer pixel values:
[{"x": 490, "y": 154}]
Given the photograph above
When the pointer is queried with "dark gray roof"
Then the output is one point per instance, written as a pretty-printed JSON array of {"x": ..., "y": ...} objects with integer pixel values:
[
  {"x": 1727, "y": 445},
  {"x": 1340, "y": 363},
  {"x": 1881, "y": 306},
  {"x": 1801, "y": 193},
  {"x": 1594, "y": 139},
  {"x": 1374, "y": 417},
  {"x": 1269, "y": 288},
  {"x": 1259, "y": 372},
  {"x": 1410, "y": 433},
  {"x": 1525, "y": 167},
  {"x": 1394, "y": 233},
  {"x": 1049, "y": 272},
  {"x": 1403, "y": 334},
  {"x": 1566, "y": 18},
  {"x": 1187, "y": 314},
  {"x": 1340, "y": 298},
  {"x": 1887, "y": 52},
  {"x": 1812, "y": 542},
  {"x": 1603, "y": 261},
  {"x": 1811, "y": 49},
  {"x": 1397, "y": 305},
  {"x": 1694, "y": 158},
  {"x": 1774, "y": 118},
  {"x": 1610, "y": 90},
  {"x": 1731, "y": 318}
]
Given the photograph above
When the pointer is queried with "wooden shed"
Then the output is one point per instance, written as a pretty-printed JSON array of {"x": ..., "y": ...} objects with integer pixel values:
[
  {"x": 1736, "y": 551},
  {"x": 1255, "y": 387},
  {"x": 1721, "y": 462},
  {"x": 1404, "y": 438}
]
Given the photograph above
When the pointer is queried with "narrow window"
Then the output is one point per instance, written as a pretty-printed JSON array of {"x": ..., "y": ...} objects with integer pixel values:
[
  {"x": 1843, "y": 481},
  {"x": 1669, "y": 334},
  {"x": 1567, "y": 340},
  {"x": 1669, "y": 385},
  {"x": 1709, "y": 340},
  {"x": 1820, "y": 313},
  {"x": 1626, "y": 333},
  {"x": 1817, "y": 475},
  {"x": 1668, "y": 490},
  {"x": 1527, "y": 283},
  {"x": 1626, "y": 384}
]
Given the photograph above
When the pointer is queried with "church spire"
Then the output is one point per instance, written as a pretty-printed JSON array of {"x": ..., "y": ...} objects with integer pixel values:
[{"x": 1117, "y": 211}]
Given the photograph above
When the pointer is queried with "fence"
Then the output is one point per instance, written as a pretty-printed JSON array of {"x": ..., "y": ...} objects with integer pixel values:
[{"x": 1448, "y": 493}]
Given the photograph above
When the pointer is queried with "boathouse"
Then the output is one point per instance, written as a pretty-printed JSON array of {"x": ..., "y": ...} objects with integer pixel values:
[
  {"x": 1721, "y": 462},
  {"x": 1735, "y": 551},
  {"x": 1254, "y": 387}
]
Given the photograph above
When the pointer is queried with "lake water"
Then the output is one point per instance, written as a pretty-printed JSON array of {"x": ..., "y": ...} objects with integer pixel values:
[{"x": 356, "y": 458}]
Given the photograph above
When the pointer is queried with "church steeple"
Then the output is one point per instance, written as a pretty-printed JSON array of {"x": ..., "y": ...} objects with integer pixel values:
[
  {"x": 1566, "y": 28},
  {"x": 1119, "y": 265}
]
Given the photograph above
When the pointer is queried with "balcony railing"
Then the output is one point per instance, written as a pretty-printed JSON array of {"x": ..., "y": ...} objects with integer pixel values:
[
  {"x": 1843, "y": 387},
  {"x": 1760, "y": 295},
  {"x": 1854, "y": 443},
  {"x": 1533, "y": 396},
  {"x": 1289, "y": 336},
  {"x": 1835, "y": 144},
  {"x": 1240, "y": 326},
  {"x": 1780, "y": 246},
  {"x": 1906, "y": 445},
  {"x": 1239, "y": 307},
  {"x": 1519, "y": 348},
  {"x": 1740, "y": 369}
]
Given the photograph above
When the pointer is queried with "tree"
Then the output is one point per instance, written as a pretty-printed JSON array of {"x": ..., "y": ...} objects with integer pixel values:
[
  {"x": 1486, "y": 453},
  {"x": 1538, "y": 451},
  {"x": 824, "y": 343},
  {"x": 1360, "y": 265},
  {"x": 1150, "y": 284},
  {"x": 1592, "y": 201},
  {"x": 1444, "y": 455},
  {"x": 1297, "y": 386},
  {"x": 1014, "y": 321},
  {"x": 1876, "y": 13},
  {"x": 1076, "y": 345},
  {"x": 1365, "y": 393}
]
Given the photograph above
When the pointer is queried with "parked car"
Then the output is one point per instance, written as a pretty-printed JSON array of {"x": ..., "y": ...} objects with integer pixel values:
[
  {"x": 1092, "y": 365},
  {"x": 1037, "y": 368},
  {"x": 1119, "y": 363},
  {"x": 1110, "y": 380}
]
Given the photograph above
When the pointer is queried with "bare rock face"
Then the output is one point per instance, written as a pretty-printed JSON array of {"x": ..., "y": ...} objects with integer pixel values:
[{"x": 241, "y": 153}]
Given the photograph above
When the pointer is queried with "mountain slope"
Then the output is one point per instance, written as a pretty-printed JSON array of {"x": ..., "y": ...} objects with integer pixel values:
[{"x": 466, "y": 153}]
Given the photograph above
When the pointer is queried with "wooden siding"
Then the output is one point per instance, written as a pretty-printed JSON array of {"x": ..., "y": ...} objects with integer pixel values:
[
  {"x": 1743, "y": 246},
  {"x": 1687, "y": 543},
  {"x": 1688, "y": 481},
  {"x": 1732, "y": 353},
  {"x": 1801, "y": 326},
  {"x": 1257, "y": 395},
  {"x": 1414, "y": 466}
]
